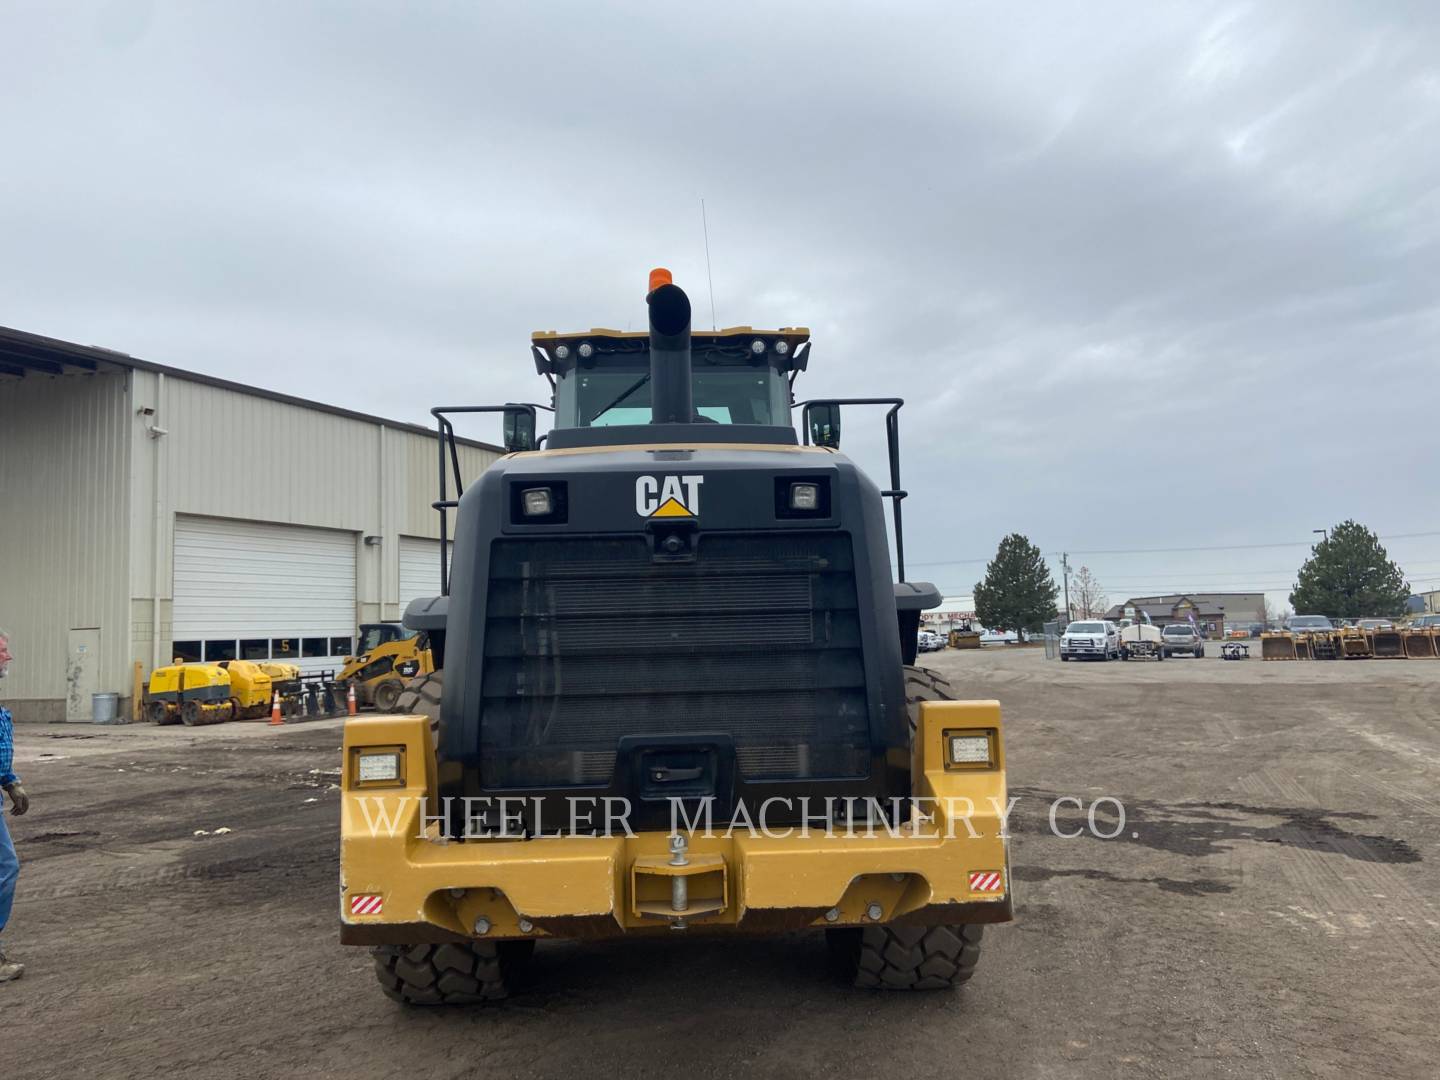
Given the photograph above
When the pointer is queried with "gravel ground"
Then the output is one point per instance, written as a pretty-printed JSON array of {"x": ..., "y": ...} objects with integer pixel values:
[{"x": 1268, "y": 908}]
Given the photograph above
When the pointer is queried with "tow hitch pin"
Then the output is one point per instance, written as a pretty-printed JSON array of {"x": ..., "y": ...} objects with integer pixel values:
[{"x": 679, "y": 887}]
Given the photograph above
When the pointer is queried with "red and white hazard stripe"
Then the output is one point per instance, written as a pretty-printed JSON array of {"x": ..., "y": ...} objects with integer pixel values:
[
  {"x": 366, "y": 904},
  {"x": 986, "y": 881}
]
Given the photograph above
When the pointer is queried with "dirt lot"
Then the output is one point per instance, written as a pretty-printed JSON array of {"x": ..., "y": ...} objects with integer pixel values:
[{"x": 1268, "y": 910}]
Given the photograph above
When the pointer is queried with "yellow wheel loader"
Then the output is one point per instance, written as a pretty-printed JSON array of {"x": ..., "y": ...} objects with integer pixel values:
[
  {"x": 674, "y": 690},
  {"x": 387, "y": 657}
]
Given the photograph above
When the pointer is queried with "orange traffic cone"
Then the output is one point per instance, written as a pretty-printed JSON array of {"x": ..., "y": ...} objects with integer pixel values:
[
  {"x": 350, "y": 705},
  {"x": 275, "y": 717}
]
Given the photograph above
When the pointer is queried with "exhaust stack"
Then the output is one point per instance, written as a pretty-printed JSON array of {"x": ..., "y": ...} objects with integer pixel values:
[{"x": 671, "y": 399}]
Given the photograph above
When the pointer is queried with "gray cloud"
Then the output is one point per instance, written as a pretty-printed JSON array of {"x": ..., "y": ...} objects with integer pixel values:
[{"x": 1059, "y": 233}]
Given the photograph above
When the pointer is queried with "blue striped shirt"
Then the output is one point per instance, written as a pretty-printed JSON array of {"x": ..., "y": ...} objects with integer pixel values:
[{"x": 7, "y": 750}]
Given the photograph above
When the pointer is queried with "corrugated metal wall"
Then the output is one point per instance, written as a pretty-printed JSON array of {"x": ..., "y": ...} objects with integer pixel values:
[
  {"x": 234, "y": 455},
  {"x": 64, "y": 445},
  {"x": 86, "y": 543}
]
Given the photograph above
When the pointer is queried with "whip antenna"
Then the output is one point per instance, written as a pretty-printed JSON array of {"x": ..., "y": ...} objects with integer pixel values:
[{"x": 705, "y": 224}]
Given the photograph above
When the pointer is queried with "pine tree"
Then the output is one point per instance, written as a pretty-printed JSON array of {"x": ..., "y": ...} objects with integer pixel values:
[
  {"x": 1018, "y": 592},
  {"x": 1349, "y": 576}
]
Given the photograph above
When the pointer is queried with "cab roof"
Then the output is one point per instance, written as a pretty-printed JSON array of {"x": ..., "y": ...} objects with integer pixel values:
[
  {"x": 551, "y": 359},
  {"x": 548, "y": 338}
]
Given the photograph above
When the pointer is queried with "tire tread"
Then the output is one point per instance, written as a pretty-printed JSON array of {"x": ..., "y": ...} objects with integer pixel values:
[{"x": 458, "y": 973}]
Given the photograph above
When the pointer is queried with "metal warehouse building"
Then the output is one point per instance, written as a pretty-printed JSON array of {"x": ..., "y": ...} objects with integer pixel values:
[{"x": 148, "y": 512}]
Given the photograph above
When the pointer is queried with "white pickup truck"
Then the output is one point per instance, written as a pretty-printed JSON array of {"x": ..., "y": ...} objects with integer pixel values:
[{"x": 1098, "y": 639}]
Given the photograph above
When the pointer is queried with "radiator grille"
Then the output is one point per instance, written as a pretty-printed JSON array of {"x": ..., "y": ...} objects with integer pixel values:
[{"x": 587, "y": 641}]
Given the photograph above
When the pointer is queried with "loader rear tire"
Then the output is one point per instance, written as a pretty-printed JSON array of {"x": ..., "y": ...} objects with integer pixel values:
[
  {"x": 905, "y": 957},
  {"x": 923, "y": 684},
  {"x": 422, "y": 696},
  {"x": 456, "y": 973}
]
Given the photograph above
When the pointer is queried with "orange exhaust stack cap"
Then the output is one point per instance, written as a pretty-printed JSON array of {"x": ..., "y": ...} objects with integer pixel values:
[{"x": 660, "y": 276}]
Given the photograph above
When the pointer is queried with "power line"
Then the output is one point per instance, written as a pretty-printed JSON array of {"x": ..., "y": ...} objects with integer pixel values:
[
  {"x": 1169, "y": 588},
  {"x": 1211, "y": 581},
  {"x": 1171, "y": 550}
]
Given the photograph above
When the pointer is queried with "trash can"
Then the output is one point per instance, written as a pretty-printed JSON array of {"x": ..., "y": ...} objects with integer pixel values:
[{"x": 105, "y": 709}]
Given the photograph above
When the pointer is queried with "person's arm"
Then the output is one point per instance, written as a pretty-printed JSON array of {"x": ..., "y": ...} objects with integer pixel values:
[
  {"x": 8, "y": 780},
  {"x": 7, "y": 750}
]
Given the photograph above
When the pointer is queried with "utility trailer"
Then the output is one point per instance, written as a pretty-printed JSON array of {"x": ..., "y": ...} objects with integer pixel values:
[{"x": 1141, "y": 641}]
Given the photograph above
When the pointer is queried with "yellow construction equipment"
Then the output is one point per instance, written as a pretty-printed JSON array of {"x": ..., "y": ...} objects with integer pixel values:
[
  {"x": 1277, "y": 645},
  {"x": 674, "y": 688},
  {"x": 1387, "y": 643},
  {"x": 210, "y": 693},
  {"x": 250, "y": 688},
  {"x": 284, "y": 677},
  {"x": 387, "y": 657},
  {"x": 193, "y": 694},
  {"x": 1419, "y": 644},
  {"x": 1354, "y": 643},
  {"x": 965, "y": 637}
]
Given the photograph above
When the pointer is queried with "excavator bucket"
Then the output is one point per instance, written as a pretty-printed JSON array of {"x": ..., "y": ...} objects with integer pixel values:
[
  {"x": 1419, "y": 644},
  {"x": 1277, "y": 646},
  {"x": 1387, "y": 644},
  {"x": 1355, "y": 644}
]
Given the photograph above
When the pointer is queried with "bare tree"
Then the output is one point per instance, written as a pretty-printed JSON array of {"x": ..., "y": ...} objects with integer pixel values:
[{"x": 1087, "y": 595}]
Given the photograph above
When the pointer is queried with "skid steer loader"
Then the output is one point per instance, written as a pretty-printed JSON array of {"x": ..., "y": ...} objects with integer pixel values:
[
  {"x": 387, "y": 656},
  {"x": 673, "y": 690}
]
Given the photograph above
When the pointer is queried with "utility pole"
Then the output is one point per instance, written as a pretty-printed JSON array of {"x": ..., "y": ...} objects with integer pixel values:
[{"x": 1065, "y": 573}]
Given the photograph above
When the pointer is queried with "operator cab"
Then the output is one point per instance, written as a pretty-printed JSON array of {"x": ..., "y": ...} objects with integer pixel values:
[
  {"x": 373, "y": 635},
  {"x": 739, "y": 375}
]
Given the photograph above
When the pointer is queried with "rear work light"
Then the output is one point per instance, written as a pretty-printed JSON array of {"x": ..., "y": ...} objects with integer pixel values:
[
  {"x": 970, "y": 749},
  {"x": 804, "y": 497},
  {"x": 538, "y": 502}
]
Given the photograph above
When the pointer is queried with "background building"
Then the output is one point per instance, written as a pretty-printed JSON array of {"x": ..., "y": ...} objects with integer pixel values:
[
  {"x": 147, "y": 511},
  {"x": 953, "y": 611},
  {"x": 1425, "y": 603},
  {"x": 1212, "y": 611}
]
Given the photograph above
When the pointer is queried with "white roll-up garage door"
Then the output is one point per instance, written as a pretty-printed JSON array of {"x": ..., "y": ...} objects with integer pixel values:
[
  {"x": 419, "y": 569},
  {"x": 257, "y": 591}
]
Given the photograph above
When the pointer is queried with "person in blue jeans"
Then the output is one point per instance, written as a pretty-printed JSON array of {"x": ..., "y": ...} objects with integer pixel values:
[{"x": 20, "y": 802}]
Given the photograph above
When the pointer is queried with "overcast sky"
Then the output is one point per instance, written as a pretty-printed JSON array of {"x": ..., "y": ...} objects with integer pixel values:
[{"x": 1149, "y": 276}]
